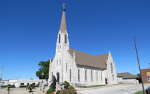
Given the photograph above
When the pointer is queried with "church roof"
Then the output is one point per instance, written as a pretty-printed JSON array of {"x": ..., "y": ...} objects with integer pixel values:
[{"x": 84, "y": 59}]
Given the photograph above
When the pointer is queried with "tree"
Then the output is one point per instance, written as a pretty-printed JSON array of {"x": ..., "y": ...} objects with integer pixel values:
[
  {"x": 43, "y": 71},
  {"x": 31, "y": 87}
]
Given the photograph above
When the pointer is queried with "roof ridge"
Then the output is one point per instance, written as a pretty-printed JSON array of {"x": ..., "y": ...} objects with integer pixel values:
[
  {"x": 81, "y": 51},
  {"x": 88, "y": 53}
]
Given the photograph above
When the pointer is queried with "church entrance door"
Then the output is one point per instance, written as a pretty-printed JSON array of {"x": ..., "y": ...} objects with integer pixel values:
[{"x": 58, "y": 76}]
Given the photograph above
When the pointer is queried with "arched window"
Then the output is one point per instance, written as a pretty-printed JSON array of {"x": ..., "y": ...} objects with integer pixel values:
[
  {"x": 59, "y": 62},
  {"x": 111, "y": 68},
  {"x": 70, "y": 75},
  {"x": 78, "y": 75},
  {"x": 66, "y": 67},
  {"x": 101, "y": 75},
  {"x": 65, "y": 38},
  {"x": 97, "y": 75},
  {"x": 85, "y": 75},
  {"x": 91, "y": 75},
  {"x": 59, "y": 38}
]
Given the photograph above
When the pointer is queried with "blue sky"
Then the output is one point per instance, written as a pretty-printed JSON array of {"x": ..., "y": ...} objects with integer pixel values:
[{"x": 28, "y": 30}]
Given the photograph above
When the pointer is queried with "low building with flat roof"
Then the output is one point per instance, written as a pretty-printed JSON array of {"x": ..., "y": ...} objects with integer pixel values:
[{"x": 146, "y": 75}]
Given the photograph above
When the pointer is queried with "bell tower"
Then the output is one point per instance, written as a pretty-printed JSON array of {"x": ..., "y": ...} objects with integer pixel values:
[{"x": 62, "y": 37}]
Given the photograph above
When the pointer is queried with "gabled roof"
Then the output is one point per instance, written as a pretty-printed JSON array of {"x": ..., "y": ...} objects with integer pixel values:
[{"x": 85, "y": 59}]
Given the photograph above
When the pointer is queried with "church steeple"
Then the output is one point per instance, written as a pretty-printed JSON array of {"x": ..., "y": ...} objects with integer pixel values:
[
  {"x": 62, "y": 39},
  {"x": 63, "y": 26}
]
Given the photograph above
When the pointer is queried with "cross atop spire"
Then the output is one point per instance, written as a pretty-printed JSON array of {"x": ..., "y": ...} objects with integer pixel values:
[
  {"x": 63, "y": 26},
  {"x": 64, "y": 6}
]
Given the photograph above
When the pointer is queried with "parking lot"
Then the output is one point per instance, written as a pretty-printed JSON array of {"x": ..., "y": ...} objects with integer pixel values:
[{"x": 20, "y": 91}]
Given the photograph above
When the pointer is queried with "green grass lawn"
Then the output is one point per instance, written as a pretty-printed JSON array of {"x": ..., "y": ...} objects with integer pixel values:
[{"x": 139, "y": 92}]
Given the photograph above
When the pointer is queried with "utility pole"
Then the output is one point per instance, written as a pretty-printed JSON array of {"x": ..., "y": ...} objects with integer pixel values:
[{"x": 138, "y": 61}]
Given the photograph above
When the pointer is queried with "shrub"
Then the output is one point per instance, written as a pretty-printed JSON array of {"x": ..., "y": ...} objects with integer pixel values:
[
  {"x": 58, "y": 92},
  {"x": 23, "y": 86},
  {"x": 8, "y": 86},
  {"x": 66, "y": 85},
  {"x": 37, "y": 85},
  {"x": 50, "y": 90},
  {"x": 33, "y": 85},
  {"x": 30, "y": 87},
  {"x": 67, "y": 91}
]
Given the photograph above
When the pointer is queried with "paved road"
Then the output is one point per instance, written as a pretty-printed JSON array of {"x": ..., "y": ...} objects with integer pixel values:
[{"x": 117, "y": 89}]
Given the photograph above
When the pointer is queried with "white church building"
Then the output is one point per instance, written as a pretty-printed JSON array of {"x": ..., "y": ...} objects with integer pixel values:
[{"x": 77, "y": 67}]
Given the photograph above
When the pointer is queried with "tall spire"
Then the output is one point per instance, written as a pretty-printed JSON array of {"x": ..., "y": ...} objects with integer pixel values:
[
  {"x": 63, "y": 26},
  {"x": 62, "y": 38}
]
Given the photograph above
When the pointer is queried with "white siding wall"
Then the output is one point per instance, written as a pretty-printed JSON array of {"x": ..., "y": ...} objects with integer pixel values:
[
  {"x": 59, "y": 65},
  {"x": 98, "y": 78}
]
